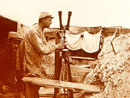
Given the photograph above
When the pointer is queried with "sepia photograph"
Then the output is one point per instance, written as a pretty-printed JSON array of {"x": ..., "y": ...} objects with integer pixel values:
[{"x": 64, "y": 49}]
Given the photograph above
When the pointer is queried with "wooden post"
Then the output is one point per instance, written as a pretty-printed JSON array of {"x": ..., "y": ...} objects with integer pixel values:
[
  {"x": 69, "y": 77},
  {"x": 58, "y": 65},
  {"x": 31, "y": 91},
  {"x": 58, "y": 58}
]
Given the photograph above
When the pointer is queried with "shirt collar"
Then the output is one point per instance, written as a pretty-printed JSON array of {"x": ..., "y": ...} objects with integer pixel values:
[{"x": 39, "y": 29}]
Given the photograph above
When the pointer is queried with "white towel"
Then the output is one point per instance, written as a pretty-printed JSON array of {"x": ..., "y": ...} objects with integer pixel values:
[
  {"x": 73, "y": 41},
  {"x": 89, "y": 42}
]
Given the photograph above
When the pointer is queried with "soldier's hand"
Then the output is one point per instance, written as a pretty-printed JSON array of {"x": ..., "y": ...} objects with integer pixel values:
[
  {"x": 5, "y": 88},
  {"x": 60, "y": 46}
]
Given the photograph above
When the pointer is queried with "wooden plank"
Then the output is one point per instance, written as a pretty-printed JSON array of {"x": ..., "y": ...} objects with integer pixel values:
[
  {"x": 85, "y": 66},
  {"x": 106, "y": 30},
  {"x": 80, "y": 54},
  {"x": 80, "y": 69},
  {"x": 125, "y": 30},
  {"x": 84, "y": 58},
  {"x": 61, "y": 84}
]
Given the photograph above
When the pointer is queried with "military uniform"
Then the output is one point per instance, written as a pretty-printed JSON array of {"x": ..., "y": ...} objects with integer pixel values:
[
  {"x": 7, "y": 68},
  {"x": 35, "y": 47}
]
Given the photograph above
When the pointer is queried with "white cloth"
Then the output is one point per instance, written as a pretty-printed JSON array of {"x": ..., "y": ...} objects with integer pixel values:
[
  {"x": 88, "y": 42},
  {"x": 73, "y": 41}
]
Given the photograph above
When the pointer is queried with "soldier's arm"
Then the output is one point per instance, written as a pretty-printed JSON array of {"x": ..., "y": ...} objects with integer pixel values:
[{"x": 41, "y": 47}]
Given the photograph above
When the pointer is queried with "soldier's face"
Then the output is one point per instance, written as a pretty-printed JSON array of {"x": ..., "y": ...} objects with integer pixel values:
[
  {"x": 47, "y": 22},
  {"x": 14, "y": 44}
]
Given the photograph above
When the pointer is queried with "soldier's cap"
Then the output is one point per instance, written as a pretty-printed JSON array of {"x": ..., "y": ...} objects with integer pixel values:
[
  {"x": 14, "y": 35},
  {"x": 45, "y": 15}
]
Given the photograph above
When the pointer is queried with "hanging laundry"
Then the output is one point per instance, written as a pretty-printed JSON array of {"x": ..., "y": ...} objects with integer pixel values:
[
  {"x": 90, "y": 43},
  {"x": 73, "y": 41}
]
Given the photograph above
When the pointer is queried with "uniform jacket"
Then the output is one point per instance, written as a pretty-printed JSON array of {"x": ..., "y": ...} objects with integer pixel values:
[{"x": 35, "y": 47}]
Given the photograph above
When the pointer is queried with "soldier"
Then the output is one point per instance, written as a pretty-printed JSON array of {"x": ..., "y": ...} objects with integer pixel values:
[
  {"x": 36, "y": 46},
  {"x": 8, "y": 63}
]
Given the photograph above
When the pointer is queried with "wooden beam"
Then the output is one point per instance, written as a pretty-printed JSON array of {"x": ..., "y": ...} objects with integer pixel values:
[
  {"x": 58, "y": 64},
  {"x": 80, "y": 69},
  {"x": 61, "y": 84}
]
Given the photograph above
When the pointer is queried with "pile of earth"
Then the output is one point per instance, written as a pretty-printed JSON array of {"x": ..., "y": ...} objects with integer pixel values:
[{"x": 112, "y": 71}]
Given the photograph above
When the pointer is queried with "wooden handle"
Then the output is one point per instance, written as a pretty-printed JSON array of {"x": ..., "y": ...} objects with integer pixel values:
[
  {"x": 68, "y": 22},
  {"x": 60, "y": 19}
]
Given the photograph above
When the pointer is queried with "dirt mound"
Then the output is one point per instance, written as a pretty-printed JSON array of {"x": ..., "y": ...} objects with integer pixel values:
[{"x": 113, "y": 70}]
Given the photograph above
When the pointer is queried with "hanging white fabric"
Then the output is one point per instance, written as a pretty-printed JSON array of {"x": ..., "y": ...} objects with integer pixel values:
[
  {"x": 88, "y": 42},
  {"x": 73, "y": 41}
]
